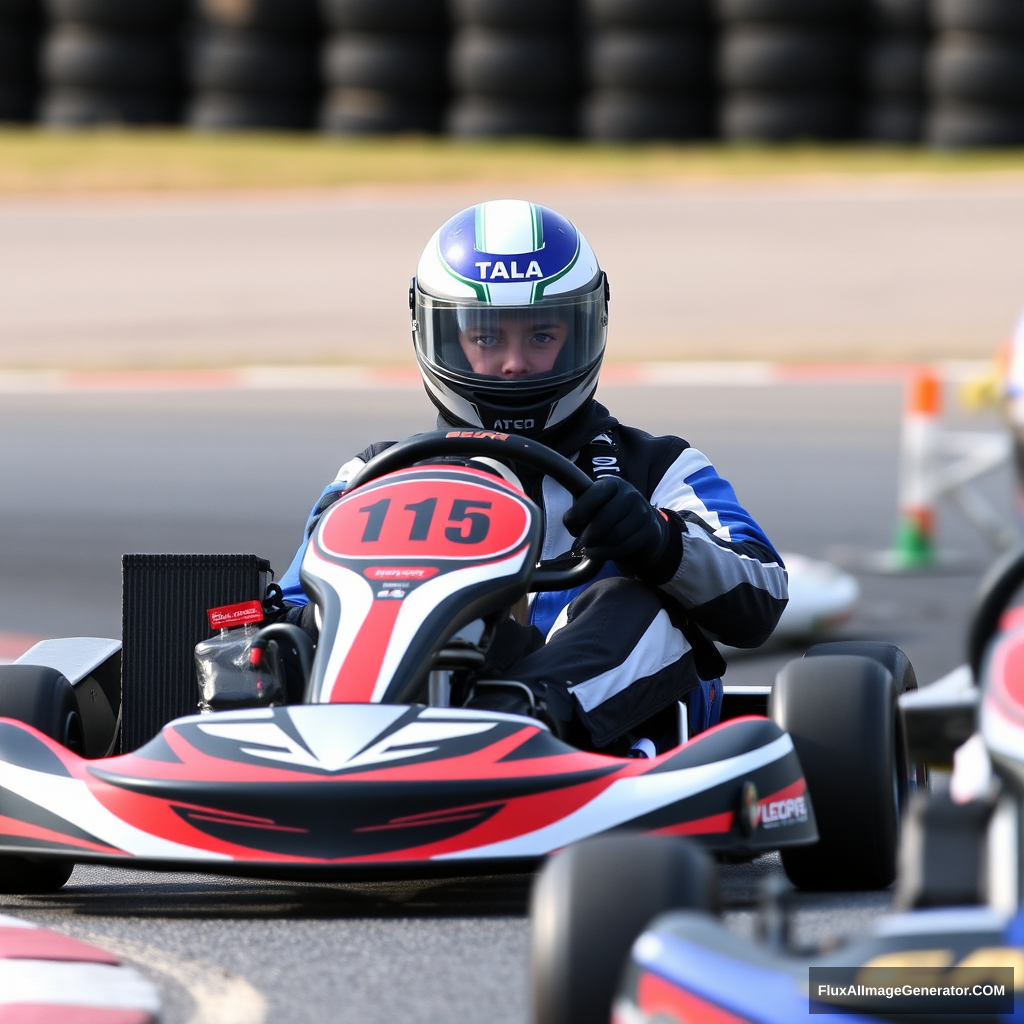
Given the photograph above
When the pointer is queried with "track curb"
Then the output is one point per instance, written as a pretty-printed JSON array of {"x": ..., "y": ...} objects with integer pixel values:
[{"x": 49, "y": 978}]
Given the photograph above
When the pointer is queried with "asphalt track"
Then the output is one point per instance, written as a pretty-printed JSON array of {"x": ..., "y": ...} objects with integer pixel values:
[
  {"x": 86, "y": 477},
  {"x": 849, "y": 268}
]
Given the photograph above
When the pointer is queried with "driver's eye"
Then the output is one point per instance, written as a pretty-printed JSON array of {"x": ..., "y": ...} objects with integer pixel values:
[
  {"x": 542, "y": 339},
  {"x": 485, "y": 340}
]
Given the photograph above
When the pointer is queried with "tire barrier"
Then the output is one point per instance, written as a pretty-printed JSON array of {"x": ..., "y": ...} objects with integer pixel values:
[
  {"x": 384, "y": 66},
  {"x": 787, "y": 69},
  {"x": 253, "y": 64},
  {"x": 513, "y": 68},
  {"x": 947, "y": 73},
  {"x": 112, "y": 62},
  {"x": 20, "y": 26},
  {"x": 648, "y": 66},
  {"x": 976, "y": 74},
  {"x": 893, "y": 71}
]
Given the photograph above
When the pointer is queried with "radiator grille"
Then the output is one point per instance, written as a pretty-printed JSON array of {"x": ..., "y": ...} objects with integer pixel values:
[{"x": 164, "y": 599}]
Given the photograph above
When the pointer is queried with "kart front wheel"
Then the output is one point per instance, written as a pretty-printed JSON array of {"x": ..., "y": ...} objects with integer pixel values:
[
  {"x": 25, "y": 876},
  {"x": 43, "y": 698},
  {"x": 591, "y": 902},
  {"x": 840, "y": 711}
]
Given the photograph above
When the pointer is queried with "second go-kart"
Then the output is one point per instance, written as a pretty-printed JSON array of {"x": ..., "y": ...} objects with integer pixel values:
[
  {"x": 628, "y": 930},
  {"x": 374, "y": 764}
]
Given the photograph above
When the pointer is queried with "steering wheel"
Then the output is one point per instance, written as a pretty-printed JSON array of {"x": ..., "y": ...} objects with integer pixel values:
[
  {"x": 998, "y": 586},
  {"x": 471, "y": 443}
]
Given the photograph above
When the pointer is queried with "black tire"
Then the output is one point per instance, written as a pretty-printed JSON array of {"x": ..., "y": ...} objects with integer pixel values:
[
  {"x": 525, "y": 15},
  {"x": 403, "y": 64},
  {"x": 225, "y": 111},
  {"x": 591, "y": 902},
  {"x": 785, "y": 59},
  {"x": 17, "y": 102},
  {"x": 25, "y": 876},
  {"x": 80, "y": 57},
  {"x": 19, "y": 55},
  {"x": 892, "y": 657},
  {"x": 620, "y": 116},
  {"x": 750, "y": 117},
  {"x": 275, "y": 16},
  {"x": 900, "y": 16},
  {"x": 368, "y": 111},
  {"x": 677, "y": 14},
  {"x": 488, "y": 117},
  {"x": 43, "y": 698},
  {"x": 840, "y": 712},
  {"x": 788, "y": 12},
  {"x": 997, "y": 17},
  {"x": 972, "y": 126},
  {"x": 257, "y": 65},
  {"x": 84, "y": 108},
  {"x": 895, "y": 121},
  {"x": 512, "y": 65},
  {"x": 895, "y": 69},
  {"x": 390, "y": 16},
  {"x": 119, "y": 14},
  {"x": 666, "y": 62},
  {"x": 977, "y": 69}
]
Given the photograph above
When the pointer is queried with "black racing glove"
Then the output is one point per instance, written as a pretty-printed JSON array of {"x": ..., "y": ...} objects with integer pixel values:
[{"x": 617, "y": 523}]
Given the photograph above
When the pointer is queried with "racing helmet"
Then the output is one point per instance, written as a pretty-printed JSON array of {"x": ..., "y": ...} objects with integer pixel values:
[{"x": 509, "y": 318}]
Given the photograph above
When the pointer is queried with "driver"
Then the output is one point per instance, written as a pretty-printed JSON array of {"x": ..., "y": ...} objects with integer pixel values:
[{"x": 509, "y": 320}]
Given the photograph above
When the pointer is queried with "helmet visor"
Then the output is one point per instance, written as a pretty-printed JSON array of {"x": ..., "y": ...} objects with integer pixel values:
[{"x": 550, "y": 340}]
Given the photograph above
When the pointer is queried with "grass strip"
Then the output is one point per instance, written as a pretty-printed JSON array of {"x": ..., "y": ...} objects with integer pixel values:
[{"x": 38, "y": 161}]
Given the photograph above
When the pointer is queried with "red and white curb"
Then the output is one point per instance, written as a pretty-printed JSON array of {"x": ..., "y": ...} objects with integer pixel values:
[
  {"x": 385, "y": 378},
  {"x": 47, "y": 978}
]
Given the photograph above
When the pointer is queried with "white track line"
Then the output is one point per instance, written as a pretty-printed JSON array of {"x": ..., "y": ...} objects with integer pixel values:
[
  {"x": 379, "y": 378},
  {"x": 219, "y": 997}
]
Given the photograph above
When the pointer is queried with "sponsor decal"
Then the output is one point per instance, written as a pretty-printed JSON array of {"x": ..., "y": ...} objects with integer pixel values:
[
  {"x": 396, "y": 592},
  {"x": 400, "y": 572},
  {"x": 499, "y": 271},
  {"x": 514, "y": 425},
  {"x": 478, "y": 433},
  {"x": 229, "y": 616},
  {"x": 776, "y": 813}
]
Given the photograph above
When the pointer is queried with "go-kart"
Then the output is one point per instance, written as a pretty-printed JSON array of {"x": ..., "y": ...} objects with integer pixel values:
[
  {"x": 629, "y": 930},
  {"x": 374, "y": 765}
]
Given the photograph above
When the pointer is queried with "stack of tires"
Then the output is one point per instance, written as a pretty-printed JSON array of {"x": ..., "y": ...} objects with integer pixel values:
[
  {"x": 384, "y": 65},
  {"x": 20, "y": 24},
  {"x": 649, "y": 69},
  {"x": 513, "y": 68},
  {"x": 112, "y": 62},
  {"x": 976, "y": 74},
  {"x": 255, "y": 64},
  {"x": 894, "y": 71},
  {"x": 788, "y": 69}
]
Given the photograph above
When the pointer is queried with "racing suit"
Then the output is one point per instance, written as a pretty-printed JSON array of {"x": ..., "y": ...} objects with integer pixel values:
[{"x": 613, "y": 654}]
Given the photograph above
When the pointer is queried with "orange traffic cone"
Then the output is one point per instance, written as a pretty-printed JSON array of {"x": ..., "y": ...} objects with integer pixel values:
[{"x": 915, "y": 530}]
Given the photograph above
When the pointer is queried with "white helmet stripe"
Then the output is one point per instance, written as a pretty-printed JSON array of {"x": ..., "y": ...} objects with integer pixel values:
[{"x": 507, "y": 226}]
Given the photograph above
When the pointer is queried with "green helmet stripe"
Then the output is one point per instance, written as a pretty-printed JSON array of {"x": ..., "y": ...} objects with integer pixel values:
[
  {"x": 540, "y": 287},
  {"x": 538, "y": 227},
  {"x": 482, "y": 291}
]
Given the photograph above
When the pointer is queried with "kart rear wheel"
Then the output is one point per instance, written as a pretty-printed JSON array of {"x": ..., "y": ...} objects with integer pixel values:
[
  {"x": 840, "y": 711},
  {"x": 589, "y": 904},
  {"x": 43, "y": 698}
]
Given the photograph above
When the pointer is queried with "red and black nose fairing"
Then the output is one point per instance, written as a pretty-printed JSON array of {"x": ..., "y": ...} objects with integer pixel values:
[{"x": 348, "y": 785}]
